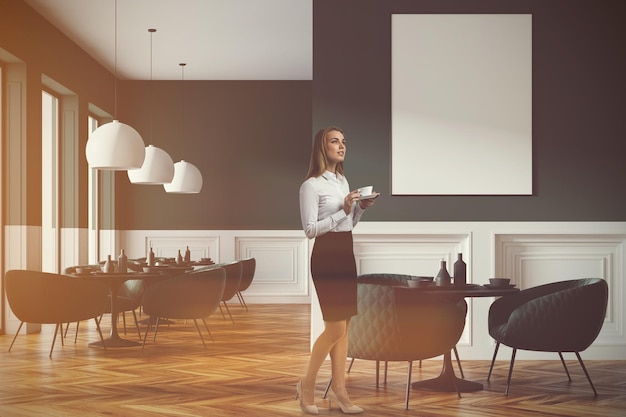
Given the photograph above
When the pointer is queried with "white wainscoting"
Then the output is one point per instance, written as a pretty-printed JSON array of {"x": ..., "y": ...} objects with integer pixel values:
[
  {"x": 281, "y": 257},
  {"x": 530, "y": 253}
]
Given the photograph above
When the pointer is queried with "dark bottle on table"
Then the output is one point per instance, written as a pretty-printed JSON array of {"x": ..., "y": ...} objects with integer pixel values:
[
  {"x": 443, "y": 277},
  {"x": 150, "y": 259},
  {"x": 460, "y": 271},
  {"x": 187, "y": 257},
  {"x": 179, "y": 258}
]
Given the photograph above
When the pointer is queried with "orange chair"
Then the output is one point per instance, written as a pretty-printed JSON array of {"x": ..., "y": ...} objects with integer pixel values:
[{"x": 46, "y": 298}]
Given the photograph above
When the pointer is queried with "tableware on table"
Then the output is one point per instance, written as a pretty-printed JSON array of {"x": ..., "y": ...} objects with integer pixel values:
[
  {"x": 418, "y": 282},
  {"x": 122, "y": 263},
  {"x": 443, "y": 277},
  {"x": 107, "y": 268},
  {"x": 492, "y": 287},
  {"x": 499, "y": 281},
  {"x": 150, "y": 257},
  {"x": 460, "y": 271}
]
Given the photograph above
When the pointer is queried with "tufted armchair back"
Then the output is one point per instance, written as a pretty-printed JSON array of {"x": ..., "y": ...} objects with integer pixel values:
[{"x": 398, "y": 323}]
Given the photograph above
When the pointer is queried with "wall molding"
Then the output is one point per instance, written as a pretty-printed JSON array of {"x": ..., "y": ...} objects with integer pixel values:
[{"x": 530, "y": 253}]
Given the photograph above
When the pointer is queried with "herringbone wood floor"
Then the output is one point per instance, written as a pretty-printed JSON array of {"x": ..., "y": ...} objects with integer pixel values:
[{"x": 251, "y": 370}]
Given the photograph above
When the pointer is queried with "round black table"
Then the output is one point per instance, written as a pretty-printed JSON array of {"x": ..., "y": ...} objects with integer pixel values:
[
  {"x": 114, "y": 282},
  {"x": 447, "y": 381}
]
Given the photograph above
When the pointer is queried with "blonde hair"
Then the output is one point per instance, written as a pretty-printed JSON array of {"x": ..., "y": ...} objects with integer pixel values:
[{"x": 319, "y": 161}]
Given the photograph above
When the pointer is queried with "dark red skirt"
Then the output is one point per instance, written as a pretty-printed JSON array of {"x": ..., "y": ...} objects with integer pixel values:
[{"x": 333, "y": 269}]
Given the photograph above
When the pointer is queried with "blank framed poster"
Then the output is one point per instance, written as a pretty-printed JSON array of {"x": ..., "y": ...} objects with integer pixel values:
[{"x": 461, "y": 104}]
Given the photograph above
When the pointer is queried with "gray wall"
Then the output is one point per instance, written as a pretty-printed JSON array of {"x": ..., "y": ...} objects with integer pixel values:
[
  {"x": 252, "y": 139},
  {"x": 578, "y": 106}
]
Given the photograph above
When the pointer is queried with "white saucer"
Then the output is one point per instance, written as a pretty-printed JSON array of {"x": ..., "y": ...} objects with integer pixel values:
[{"x": 367, "y": 197}]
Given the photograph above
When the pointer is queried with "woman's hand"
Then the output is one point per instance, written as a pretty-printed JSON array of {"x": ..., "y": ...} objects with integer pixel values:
[
  {"x": 369, "y": 202},
  {"x": 349, "y": 201}
]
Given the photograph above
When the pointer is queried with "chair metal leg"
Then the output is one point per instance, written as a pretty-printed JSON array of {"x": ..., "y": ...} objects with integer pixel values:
[
  {"x": 16, "y": 333},
  {"x": 458, "y": 361},
  {"x": 565, "y": 366},
  {"x": 60, "y": 326},
  {"x": 221, "y": 311},
  {"x": 350, "y": 366},
  {"x": 385, "y": 378},
  {"x": 330, "y": 381},
  {"x": 495, "y": 353},
  {"x": 156, "y": 328},
  {"x": 377, "y": 373},
  {"x": 76, "y": 333},
  {"x": 137, "y": 324},
  {"x": 241, "y": 300},
  {"x": 67, "y": 327},
  {"x": 508, "y": 381},
  {"x": 99, "y": 332},
  {"x": 208, "y": 331},
  {"x": 145, "y": 336},
  {"x": 408, "y": 385},
  {"x": 456, "y": 387},
  {"x": 199, "y": 332},
  {"x": 582, "y": 365},
  {"x": 228, "y": 310},
  {"x": 54, "y": 338}
]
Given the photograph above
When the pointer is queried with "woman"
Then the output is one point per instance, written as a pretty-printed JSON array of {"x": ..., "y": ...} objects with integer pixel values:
[{"x": 329, "y": 211}]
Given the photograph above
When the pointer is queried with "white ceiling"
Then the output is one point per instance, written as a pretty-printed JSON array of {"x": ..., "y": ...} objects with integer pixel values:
[{"x": 218, "y": 39}]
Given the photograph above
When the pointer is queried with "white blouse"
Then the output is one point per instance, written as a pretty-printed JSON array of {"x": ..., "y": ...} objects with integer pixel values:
[{"x": 321, "y": 205}]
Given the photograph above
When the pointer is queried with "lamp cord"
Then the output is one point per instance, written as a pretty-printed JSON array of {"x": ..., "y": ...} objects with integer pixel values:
[{"x": 115, "y": 61}]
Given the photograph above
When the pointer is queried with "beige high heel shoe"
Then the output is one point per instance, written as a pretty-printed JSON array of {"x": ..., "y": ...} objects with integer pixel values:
[
  {"x": 309, "y": 409},
  {"x": 346, "y": 409}
]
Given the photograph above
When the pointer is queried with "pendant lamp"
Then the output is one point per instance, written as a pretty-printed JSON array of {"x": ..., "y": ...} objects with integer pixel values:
[
  {"x": 187, "y": 177},
  {"x": 158, "y": 166},
  {"x": 115, "y": 145}
]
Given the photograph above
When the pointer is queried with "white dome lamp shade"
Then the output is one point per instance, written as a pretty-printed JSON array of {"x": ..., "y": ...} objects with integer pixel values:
[
  {"x": 115, "y": 146},
  {"x": 157, "y": 168},
  {"x": 187, "y": 179}
]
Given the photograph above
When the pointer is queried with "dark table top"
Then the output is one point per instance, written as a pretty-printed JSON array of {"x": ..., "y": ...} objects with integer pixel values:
[{"x": 467, "y": 290}]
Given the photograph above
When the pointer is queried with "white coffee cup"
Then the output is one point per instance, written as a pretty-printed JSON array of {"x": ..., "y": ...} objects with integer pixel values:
[{"x": 366, "y": 190}]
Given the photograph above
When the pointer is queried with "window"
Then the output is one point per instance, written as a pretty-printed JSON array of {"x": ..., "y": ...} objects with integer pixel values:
[{"x": 50, "y": 261}]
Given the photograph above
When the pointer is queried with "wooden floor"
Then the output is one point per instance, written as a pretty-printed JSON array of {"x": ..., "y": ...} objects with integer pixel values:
[{"x": 251, "y": 370}]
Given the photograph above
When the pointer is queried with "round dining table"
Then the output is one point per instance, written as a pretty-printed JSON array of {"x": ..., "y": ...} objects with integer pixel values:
[
  {"x": 447, "y": 381},
  {"x": 114, "y": 281}
]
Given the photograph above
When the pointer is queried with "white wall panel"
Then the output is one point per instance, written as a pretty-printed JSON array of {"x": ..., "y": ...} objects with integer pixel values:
[
  {"x": 530, "y": 253},
  {"x": 535, "y": 260}
]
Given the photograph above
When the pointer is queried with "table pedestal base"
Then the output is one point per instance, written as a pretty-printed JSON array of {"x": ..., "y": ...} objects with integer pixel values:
[
  {"x": 447, "y": 381},
  {"x": 114, "y": 342}
]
